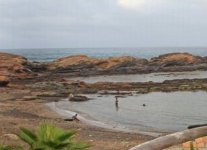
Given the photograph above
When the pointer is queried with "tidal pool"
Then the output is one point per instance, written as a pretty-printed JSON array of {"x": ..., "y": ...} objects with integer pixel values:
[
  {"x": 164, "y": 112},
  {"x": 155, "y": 77}
]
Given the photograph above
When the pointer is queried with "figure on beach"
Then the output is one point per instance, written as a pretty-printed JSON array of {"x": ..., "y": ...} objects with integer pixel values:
[
  {"x": 75, "y": 117},
  {"x": 117, "y": 103}
]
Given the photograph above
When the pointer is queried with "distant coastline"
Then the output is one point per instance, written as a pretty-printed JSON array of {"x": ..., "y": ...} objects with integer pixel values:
[{"x": 50, "y": 54}]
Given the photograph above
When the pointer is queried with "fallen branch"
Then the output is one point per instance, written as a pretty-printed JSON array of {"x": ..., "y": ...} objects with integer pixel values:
[
  {"x": 196, "y": 126},
  {"x": 173, "y": 139}
]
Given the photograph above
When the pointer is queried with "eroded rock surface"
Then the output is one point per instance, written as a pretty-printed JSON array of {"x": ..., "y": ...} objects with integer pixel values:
[
  {"x": 13, "y": 66},
  {"x": 85, "y": 65},
  {"x": 176, "y": 59},
  {"x": 82, "y": 65}
]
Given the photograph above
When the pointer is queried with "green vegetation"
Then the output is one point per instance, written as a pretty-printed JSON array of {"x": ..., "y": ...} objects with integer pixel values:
[{"x": 49, "y": 137}]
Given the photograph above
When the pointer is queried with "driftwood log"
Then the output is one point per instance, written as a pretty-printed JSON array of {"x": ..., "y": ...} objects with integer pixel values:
[
  {"x": 173, "y": 139},
  {"x": 196, "y": 126}
]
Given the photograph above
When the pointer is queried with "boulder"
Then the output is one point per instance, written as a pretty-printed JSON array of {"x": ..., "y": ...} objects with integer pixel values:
[{"x": 78, "y": 98}]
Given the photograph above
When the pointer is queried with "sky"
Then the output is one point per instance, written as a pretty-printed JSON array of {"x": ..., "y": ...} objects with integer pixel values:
[{"x": 102, "y": 23}]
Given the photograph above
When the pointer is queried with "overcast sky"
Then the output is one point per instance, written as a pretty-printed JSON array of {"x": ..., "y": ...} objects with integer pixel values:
[{"x": 102, "y": 23}]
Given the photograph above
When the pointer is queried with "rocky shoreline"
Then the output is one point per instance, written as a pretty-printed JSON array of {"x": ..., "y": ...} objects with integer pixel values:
[
  {"x": 18, "y": 67},
  {"x": 26, "y": 86},
  {"x": 52, "y": 79}
]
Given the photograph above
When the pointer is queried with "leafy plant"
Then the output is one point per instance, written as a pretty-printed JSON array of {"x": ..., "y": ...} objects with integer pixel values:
[{"x": 49, "y": 137}]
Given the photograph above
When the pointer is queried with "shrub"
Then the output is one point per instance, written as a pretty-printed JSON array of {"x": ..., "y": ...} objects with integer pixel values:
[{"x": 49, "y": 137}]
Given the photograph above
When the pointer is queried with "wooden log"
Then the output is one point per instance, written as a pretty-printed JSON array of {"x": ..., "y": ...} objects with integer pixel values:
[
  {"x": 173, "y": 139},
  {"x": 196, "y": 126}
]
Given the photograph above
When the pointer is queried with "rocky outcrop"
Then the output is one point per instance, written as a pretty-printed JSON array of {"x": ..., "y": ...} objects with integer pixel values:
[
  {"x": 84, "y": 65},
  {"x": 13, "y": 67},
  {"x": 72, "y": 62},
  {"x": 81, "y": 65},
  {"x": 116, "y": 62},
  {"x": 176, "y": 59}
]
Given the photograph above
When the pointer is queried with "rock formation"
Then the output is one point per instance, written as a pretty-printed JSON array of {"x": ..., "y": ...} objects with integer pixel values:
[
  {"x": 87, "y": 65},
  {"x": 81, "y": 65},
  {"x": 12, "y": 67},
  {"x": 176, "y": 59}
]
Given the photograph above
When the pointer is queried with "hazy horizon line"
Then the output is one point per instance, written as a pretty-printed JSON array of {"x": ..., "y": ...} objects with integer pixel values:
[{"x": 104, "y": 47}]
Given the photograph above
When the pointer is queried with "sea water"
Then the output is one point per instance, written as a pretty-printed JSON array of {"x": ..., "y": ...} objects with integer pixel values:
[
  {"x": 49, "y": 54},
  {"x": 163, "y": 112}
]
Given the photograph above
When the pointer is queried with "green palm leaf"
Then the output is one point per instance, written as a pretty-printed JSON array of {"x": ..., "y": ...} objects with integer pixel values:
[
  {"x": 79, "y": 146},
  {"x": 27, "y": 136},
  {"x": 66, "y": 136},
  {"x": 50, "y": 137}
]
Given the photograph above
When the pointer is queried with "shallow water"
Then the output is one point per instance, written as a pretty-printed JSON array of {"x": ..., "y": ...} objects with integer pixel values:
[
  {"x": 155, "y": 77},
  {"x": 164, "y": 112}
]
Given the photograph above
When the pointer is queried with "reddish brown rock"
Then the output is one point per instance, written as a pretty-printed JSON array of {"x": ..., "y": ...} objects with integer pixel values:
[
  {"x": 176, "y": 59},
  {"x": 86, "y": 64},
  {"x": 120, "y": 61},
  {"x": 82, "y": 65},
  {"x": 13, "y": 66},
  {"x": 70, "y": 61}
]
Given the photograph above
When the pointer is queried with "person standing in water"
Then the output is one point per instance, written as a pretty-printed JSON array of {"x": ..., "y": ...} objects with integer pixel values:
[{"x": 117, "y": 103}]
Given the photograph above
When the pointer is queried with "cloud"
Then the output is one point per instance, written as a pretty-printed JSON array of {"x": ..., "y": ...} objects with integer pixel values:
[
  {"x": 143, "y": 5},
  {"x": 156, "y": 6},
  {"x": 105, "y": 23}
]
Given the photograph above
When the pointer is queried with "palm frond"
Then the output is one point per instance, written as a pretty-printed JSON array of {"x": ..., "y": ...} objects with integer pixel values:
[
  {"x": 50, "y": 137},
  {"x": 27, "y": 136},
  {"x": 79, "y": 146},
  {"x": 66, "y": 136}
]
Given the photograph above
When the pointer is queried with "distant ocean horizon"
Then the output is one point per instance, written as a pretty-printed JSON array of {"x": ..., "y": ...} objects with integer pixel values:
[{"x": 50, "y": 54}]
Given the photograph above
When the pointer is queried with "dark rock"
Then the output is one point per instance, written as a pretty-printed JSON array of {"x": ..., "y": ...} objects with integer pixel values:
[
  {"x": 78, "y": 98},
  {"x": 88, "y": 91}
]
